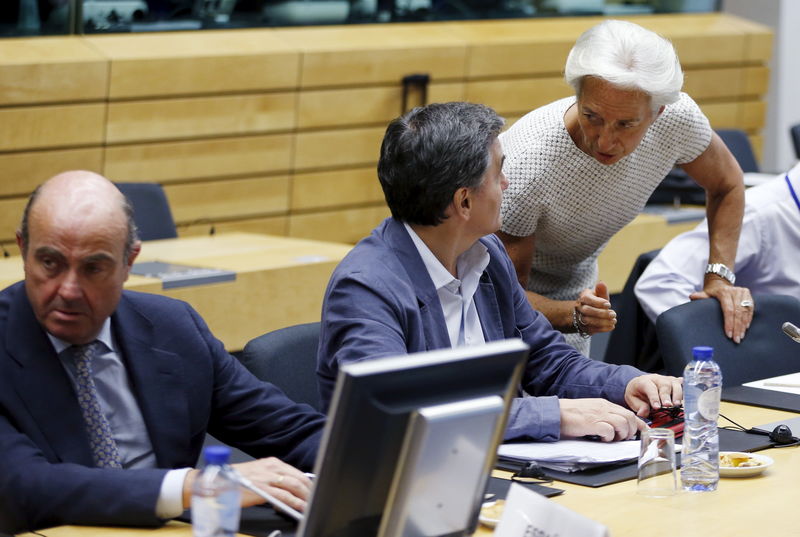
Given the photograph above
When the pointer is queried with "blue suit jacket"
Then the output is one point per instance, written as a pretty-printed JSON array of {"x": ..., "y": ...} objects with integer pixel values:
[
  {"x": 382, "y": 302},
  {"x": 185, "y": 383}
]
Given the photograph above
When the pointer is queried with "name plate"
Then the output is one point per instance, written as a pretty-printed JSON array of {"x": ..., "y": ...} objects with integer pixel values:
[{"x": 528, "y": 514}]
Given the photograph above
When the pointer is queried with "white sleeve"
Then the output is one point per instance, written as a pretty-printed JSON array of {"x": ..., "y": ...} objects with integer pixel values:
[
  {"x": 170, "y": 498},
  {"x": 675, "y": 273}
]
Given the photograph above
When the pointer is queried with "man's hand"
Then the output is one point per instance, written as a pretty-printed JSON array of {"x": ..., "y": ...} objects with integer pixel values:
[
  {"x": 272, "y": 475},
  {"x": 651, "y": 392},
  {"x": 598, "y": 417},
  {"x": 594, "y": 310},
  {"x": 737, "y": 318}
]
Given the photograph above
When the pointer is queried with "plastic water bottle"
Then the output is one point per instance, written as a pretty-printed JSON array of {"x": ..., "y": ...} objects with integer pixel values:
[
  {"x": 702, "y": 386},
  {"x": 216, "y": 497}
]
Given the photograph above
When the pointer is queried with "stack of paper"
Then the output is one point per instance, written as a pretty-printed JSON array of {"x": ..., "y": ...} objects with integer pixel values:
[
  {"x": 784, "y": 383},
  {"x": 570, "y": 455}
]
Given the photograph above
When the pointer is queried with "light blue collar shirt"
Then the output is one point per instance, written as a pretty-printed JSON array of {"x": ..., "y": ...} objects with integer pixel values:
[
  {"x": 457, "y": 295},
  {"x": 116, "y": 399},
  {"x": 119, "y": 405}
]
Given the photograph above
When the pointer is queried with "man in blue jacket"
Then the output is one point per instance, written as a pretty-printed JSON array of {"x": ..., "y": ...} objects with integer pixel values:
[
  {"x": 107, "y": 395},
  {"x": 434, "y": 276}
]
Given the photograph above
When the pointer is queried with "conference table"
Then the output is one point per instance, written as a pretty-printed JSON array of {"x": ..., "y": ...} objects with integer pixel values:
[
  {"x": 741, "y": 506},
  {"x": 277, "y": 281}
]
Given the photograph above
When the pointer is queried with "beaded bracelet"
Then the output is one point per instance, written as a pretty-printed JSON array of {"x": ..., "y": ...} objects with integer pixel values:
[{"x": 578, "y": 324}]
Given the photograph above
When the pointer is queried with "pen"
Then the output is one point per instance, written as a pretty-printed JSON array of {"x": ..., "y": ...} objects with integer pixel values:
[{"x": 783, "y": 384}]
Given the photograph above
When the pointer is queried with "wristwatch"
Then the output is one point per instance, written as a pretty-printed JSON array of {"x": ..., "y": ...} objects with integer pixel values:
[{"x": 722, "y": 271}]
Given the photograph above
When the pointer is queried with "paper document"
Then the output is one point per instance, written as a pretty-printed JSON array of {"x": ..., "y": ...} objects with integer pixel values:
[
  {"x": 785, "y": 383},
  {"x": 571, "y": 455}
]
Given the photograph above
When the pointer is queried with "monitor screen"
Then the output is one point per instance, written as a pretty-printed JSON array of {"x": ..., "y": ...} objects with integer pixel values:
[{"x": 404, "y": 429}]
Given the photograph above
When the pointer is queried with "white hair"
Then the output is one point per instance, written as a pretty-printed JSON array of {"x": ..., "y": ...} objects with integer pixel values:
[{"x": 629, "y": 56}]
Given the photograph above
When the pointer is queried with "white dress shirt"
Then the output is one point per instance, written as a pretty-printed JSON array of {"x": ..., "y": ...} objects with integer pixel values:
[
  {"x": 124, "y": 416},
  {"x": 457, "y": 295},
  {"x": 767, "y": 260}
]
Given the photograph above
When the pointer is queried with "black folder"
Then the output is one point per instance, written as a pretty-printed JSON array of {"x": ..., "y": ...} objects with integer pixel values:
[
  {"x": 765, "y": 398},
  {"x": 601, "y": 476}
]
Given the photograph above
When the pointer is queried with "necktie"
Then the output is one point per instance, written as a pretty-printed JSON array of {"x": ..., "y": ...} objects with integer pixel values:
[{"x": 101, "y": 441}]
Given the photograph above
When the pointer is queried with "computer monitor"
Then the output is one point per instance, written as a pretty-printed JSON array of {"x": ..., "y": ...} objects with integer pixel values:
[{"x": 411, "y": 440}]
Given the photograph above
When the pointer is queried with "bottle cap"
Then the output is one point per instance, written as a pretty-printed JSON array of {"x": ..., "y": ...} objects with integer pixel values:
[
  {"x": 703, "y": 353},
  {"x": 217, "y": 454}
]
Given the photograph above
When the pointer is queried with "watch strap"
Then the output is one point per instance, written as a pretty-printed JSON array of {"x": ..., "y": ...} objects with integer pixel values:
[{"x": 722, "y": 271}]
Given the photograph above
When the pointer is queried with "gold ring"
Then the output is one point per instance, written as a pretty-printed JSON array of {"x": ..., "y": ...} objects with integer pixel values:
[
  {"x": 279, "y": 480},
  {"x": 746, "y": 303}
]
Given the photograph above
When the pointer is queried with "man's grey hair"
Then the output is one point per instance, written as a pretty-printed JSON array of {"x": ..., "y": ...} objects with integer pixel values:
[
  {"x": 131, "y": 238},
  {"x": 628, "y": 56}
]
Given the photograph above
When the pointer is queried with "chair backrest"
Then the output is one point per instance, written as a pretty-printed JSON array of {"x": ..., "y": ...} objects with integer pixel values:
[
  {"x": 633, "y": 341},
  {"x": 288, "y": 359},
  {"x": 764, "y": 352},
  {"x": 795, "y": 132},
  {"x": 151, "y": 210},
  {"x": 739, "y": 144}
]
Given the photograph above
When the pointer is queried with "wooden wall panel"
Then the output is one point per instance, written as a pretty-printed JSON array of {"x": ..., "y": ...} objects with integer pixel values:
[
  {"x": 190, "y": 63},
  {"x": 332, "y": 148},
  {"x": 347, "y": 225},
  {"x": 519, "y": 95},
  {"x": 38, "y": 127},
  {"x": 745, "y": 115},
  {"x": 339, "y": 56},
  {"x": 169, "y": 119},
  {"x": 323, "y": 190},
  {"x": 21, "y": 172},
  {"x": 518, "y": 47},
  {"x": 230, "y": 198},
  {"x": 369, "y": 105},
  {"x": 49, "y": 70},
  {"x": 174, "y": 161},
  {"x": 269, "y": 225},
  {"x": 10, "y": 215},
  {"x": 730, "y": 82}
]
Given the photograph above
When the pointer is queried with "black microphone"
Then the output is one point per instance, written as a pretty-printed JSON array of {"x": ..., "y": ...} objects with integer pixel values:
[{"x": 792, "y": 331}]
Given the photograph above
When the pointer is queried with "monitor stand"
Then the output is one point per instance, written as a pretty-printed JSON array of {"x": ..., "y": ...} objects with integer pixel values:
[{"x": 445, "y": 463}]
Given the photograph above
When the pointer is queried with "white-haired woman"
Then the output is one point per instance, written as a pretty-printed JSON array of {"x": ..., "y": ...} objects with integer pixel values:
[{"x": 582, "y": 167}]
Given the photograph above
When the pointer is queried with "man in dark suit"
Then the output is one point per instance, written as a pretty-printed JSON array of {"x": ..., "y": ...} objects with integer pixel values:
[{"x": 106, "y": 395}]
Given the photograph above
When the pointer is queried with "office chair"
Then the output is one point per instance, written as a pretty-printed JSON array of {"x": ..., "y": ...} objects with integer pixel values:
[
  {"x": 764, "y": 352},
  {"x": 151, "y": 211},
  {"x": 795, "y": 132},
  {"x": 739, "y": 144},
  {"x": 288, "y": 359},
  {"x": 633, "y": 341}
]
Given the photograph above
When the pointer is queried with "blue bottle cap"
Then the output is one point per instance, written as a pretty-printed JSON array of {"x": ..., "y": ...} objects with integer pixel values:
[
  {"x": 217, "y": 454},
  {"x": 703, "y": 353}
]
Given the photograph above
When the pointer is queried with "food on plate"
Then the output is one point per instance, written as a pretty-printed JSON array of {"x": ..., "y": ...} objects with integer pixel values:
[
  {"x": 493, "y": 510},
  {"x": 738, "y": 460}
]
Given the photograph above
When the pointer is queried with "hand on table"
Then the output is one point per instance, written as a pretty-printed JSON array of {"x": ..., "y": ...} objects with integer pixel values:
[
  {"x": 646, "y": 393},
  {"x": 283, "y": 481},
  {"x": 598, "y": 417}
]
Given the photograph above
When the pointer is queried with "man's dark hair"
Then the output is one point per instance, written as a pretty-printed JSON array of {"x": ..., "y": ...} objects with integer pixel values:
[
  {"x": 431, "y": 152},
  {"x": 131, "y": 238}
]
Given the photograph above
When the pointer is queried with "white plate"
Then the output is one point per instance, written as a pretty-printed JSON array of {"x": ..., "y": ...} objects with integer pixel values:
[
  {"x": 489, "y": 516},
  {"x": 745, "y": 471}
]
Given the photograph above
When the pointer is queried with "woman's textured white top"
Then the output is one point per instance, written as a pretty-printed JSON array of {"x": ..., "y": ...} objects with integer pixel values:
[{"x": 573, "y": 203}]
